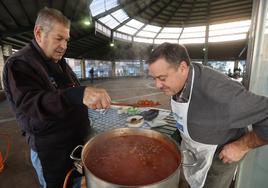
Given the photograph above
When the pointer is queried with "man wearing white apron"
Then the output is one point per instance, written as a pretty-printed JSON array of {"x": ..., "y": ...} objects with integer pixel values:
[
  {"x": 211, "y": 115},
  {"x": 204, "y": 152}
]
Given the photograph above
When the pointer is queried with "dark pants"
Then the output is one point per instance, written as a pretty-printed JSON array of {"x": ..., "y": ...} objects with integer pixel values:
[
  {"x": 39, "y": 170},
  {"x": 220, "y": 175},
  {"x": 56, "y": 163}
]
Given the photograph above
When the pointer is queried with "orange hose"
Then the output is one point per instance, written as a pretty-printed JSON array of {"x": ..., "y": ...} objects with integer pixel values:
[
  {"x": 4, "y": 159},
  {"x": 1, "y": 163},
  {"x": 67, "y": 178}
]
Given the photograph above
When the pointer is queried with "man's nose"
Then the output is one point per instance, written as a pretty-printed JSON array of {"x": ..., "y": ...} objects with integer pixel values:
[
  {"x": 63, "y": 45},
  {"x": 158, "y": 84}
]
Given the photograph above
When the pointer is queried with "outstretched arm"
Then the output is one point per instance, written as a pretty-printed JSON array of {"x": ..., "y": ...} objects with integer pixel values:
[
  {"x": 96, "y": 98},
  {"x": 236, "y": 150}
]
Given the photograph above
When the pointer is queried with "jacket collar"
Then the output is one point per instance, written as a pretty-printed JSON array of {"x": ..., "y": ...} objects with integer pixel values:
[{"x": 39, "y": 50}]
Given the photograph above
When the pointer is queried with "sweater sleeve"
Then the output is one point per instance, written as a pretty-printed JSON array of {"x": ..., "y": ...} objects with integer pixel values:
[
  {"x": 32, "y": 94},
  {"x": 75, "y": 94},
  {"x": 245, "y": 108}
]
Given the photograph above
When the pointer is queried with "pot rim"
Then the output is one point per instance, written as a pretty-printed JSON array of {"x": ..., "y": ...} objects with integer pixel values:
[{"x": 134, "y": 130}]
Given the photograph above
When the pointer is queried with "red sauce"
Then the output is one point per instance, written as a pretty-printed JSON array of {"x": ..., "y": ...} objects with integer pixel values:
[{"x": 132, "y": 160}]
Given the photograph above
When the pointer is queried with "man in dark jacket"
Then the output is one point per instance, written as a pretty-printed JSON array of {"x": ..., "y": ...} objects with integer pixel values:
[{"x": 50, "y": 105}]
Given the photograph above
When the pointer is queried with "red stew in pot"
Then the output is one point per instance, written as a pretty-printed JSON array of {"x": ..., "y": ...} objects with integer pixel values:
[{"x": 132, "y": 160}]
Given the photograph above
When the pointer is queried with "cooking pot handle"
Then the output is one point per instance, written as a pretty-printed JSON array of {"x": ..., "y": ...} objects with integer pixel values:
[
  {"x": 73, "y": 153},
  {"x": 194, "y": 159}
]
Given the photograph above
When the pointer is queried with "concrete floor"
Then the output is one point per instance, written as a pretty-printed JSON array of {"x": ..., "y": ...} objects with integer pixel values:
[{"x": 19, "y": 173}]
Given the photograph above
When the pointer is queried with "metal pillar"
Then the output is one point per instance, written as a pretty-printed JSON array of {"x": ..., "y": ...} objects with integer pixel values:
[
  {"x": 113, "y": 69},
  {"x": 83, "y": 69}
]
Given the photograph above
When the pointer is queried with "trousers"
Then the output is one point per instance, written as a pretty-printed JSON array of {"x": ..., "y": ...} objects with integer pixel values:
[{"x": 39, "y": 171}]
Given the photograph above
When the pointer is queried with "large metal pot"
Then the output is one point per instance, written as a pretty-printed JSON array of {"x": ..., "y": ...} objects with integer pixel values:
[{"x": 95, "y": 181}]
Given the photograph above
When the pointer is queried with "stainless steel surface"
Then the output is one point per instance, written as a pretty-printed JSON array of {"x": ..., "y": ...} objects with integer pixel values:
[
  {"x": 92, "y": 181},
  {"x": 194, "y": 163}
]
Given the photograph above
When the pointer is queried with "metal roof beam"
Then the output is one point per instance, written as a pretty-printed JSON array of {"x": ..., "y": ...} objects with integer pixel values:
[
  {"x": 14, "y": 40},
  {"x": 9, "y": 13},
  {"x": 174, "y": 12},
  {"x": 13, "y": 44},
  {"x": 142, "y": 10},
  {"x": 3, "y": 25},
  {"x": 137, "y": 13},
  {"x": 25, "y": 12},
  {"x": 160, "y": 10},
  {"x": 14, "y": 32},
  {"x": 189, "y": 13},
  {"x": 105, "y": 13}
]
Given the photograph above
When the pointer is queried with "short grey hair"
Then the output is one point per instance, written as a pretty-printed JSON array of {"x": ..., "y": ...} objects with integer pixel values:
[{"x": 48, "y": 16}]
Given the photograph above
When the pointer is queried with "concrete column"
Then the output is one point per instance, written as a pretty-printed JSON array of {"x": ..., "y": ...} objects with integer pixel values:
[
  {"x": 113, "y": 69},
  {"x": 141, "y": 68},
  {"x": 83, "y": 69},
  {"x": 2, "y": 62},
  {"x": 236, "y": 64},
  {"x": 5, "y": 52},
  {"x": 205, "y": 49}
]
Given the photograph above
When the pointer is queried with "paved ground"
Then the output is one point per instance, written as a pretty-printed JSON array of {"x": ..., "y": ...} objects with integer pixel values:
[{"x": 18, "y": 172}]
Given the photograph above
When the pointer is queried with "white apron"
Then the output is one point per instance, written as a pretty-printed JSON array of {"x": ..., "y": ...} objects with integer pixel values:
[{"x": 196, "y": 175}]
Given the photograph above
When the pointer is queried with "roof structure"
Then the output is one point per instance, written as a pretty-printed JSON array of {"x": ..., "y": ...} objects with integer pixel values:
[{"x": 136, "y": 26}]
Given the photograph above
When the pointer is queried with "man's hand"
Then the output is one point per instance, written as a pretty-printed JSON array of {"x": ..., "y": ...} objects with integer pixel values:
[
  {"x": 232, "y": 152},
  {"x": 96, "y": 98},
  {"x": 236, "y": 150}
]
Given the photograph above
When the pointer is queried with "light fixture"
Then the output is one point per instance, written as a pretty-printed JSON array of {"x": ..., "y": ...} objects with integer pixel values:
[
  {"x": 87, "y": 22},
  {"x": 112, "y": 41}
]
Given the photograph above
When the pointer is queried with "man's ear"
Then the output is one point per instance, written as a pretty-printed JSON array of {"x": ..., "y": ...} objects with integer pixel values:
[
  {"x": 183, "y": 64},
  {"x": 37, "y": 33},
  {"x": 184, "y": 67}
]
